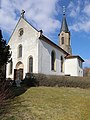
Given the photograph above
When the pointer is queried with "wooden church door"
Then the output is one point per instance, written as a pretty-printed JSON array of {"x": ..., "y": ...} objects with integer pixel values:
[{"x": 18, "y": 74}]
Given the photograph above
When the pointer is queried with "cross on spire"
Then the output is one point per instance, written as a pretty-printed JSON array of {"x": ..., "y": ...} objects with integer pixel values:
[
  {"x": 64, "y": 10},
  {"x": 22, "y": 13}
]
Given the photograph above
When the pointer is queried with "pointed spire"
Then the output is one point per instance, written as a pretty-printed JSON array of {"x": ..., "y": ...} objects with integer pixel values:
[{"x": 64, "y": 26}]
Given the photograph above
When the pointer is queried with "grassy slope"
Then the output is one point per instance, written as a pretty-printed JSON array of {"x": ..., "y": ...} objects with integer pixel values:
[{"x": 44, "y": 103}]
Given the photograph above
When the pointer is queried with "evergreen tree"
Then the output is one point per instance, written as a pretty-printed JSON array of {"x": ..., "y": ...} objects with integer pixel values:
[{"x": 4, "y": 54}]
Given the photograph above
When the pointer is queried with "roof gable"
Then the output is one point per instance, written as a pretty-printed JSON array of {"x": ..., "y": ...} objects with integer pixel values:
[{"x": 25, "y": 22}]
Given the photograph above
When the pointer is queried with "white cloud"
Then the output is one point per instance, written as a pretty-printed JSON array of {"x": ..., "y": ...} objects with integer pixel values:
[
  {"x": 87, "y": 9},
  {"x": 80, "y": 11},
  {"x": 85, "y": 26},
  {"x": 6, "y": 21},
  {"x": 87, "y": 63},
  {"x": 43, "y": 15},
  {"x": 40, "y": 13},
  {"x": 81, "y": 26},
  {"x": 74, "y": 27},
  {"x": 73, "y": 9}
]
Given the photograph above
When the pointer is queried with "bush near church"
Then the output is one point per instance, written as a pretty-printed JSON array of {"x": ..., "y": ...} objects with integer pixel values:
[
  {"x": 57, "y": 81},
  {"x": 30, "y": 80}
]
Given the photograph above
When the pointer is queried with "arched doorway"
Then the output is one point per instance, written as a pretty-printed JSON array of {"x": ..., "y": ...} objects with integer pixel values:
[{"x": 18, "y": 72}]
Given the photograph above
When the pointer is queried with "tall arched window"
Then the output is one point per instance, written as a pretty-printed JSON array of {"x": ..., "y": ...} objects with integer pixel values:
[
  {"x": 61, "y": 63},
  {"x": 31, "y": 64},
  {"x": 53, "y": 58},
  {"x": 20, "y": 51},
  {"x": 11, "y": 67},
  {"x": 62, "y": 40}
]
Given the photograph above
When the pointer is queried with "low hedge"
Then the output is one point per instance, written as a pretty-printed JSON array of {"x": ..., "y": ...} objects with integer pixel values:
[
  {"x": 59, "y": 81},
  {"x": 30, "y": 81}
]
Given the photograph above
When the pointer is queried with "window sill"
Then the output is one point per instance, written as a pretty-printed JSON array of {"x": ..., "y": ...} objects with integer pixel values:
[
  {"x": 53, "y": 70},
  {"x": 62, "y": 72},
  {"x": 10, "y": 73},
  {"x": 19, "y": 58}
]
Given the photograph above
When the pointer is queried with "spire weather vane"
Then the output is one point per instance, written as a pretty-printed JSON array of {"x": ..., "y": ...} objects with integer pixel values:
[
  {"x": 64, "y": 10},
  {"x": 22, "y": 13}
]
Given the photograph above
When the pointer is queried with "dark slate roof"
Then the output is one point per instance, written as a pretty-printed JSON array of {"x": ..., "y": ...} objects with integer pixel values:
[
  {"x": 64, "y": 26},
  {"x": 47, "y": 40},
  {"x": 74, "y": 56}
]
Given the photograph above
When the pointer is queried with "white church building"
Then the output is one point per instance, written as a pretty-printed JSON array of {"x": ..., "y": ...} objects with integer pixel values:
[{"x": 33, "y": 52}]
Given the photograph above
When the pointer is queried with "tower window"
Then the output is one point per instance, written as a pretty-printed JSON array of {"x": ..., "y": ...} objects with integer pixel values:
[
  {"x": 20, "y": 51},
  {"x": 62, "y": 40},
  {"x": 31, "y": 64},
  {"x": 62, "y": 34},
  {"x": 53, "y": 59}
]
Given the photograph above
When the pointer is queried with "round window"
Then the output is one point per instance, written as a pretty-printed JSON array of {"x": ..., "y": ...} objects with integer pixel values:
[{"x": 21, "y": 31}]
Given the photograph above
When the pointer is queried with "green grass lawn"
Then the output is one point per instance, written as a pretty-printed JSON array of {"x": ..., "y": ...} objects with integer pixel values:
[{"x": 46, "y": 103}]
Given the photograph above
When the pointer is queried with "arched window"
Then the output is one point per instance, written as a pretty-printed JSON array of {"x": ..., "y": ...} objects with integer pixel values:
[
  {"x": 61, "y": 63},
  {"x": 53, "y": 58},
  {"x": 31, "y": 64},
  {"x": 62, "y": 40},
  {"x": 20, "y": 51},
  {"x": 11, "y": 67}
]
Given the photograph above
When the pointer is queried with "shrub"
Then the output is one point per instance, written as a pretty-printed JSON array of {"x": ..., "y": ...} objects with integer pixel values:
[
  {"x": 5, "y": 93},
  {"x": 56, "y": 81},
  {"x": 65, "y": 81},
  {"x": 30, "y": 80}
]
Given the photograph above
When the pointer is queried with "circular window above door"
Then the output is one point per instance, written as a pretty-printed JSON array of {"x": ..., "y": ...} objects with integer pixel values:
[{"x": 21, "y": 31}]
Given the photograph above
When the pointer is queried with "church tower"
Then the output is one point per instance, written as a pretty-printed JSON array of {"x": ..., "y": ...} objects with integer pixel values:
[{"x": 64, "y": 36}]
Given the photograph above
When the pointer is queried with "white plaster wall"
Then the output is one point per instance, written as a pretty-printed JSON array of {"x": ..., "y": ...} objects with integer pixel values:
[
  {"x": 29, "y": 42},
  {"x": 79, "y": 70},
  {"x": 45, "y": 50},
  {"x": 72, "y": 67}
]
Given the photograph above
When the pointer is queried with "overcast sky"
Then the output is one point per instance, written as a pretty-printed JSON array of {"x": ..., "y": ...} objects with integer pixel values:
[{"x": 47, "y": 15}]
